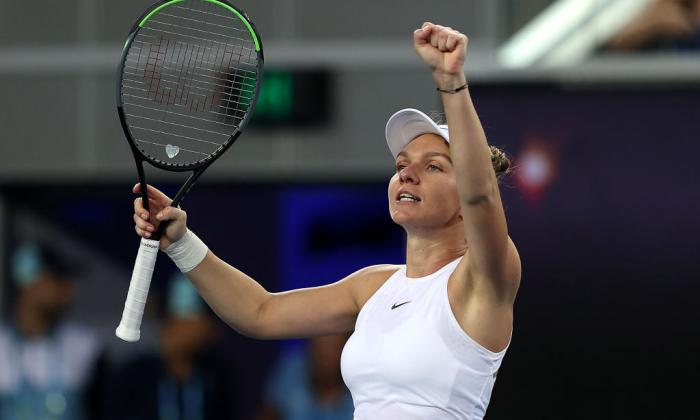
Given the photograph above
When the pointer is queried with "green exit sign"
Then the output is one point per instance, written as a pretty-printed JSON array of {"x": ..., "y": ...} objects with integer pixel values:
[
  {"x": 276, "y": 99},
  {"x": 293, "y": 98}
]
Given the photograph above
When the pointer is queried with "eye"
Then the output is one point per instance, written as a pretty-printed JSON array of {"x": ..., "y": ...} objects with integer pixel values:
[
  {"x": 400, "y": 166},
  {"x": 432, "y": 167}
]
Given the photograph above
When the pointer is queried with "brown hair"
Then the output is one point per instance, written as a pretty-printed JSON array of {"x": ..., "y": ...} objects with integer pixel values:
[
  {"x": 499, "y": 159},
  {"x": 500, "y": 162}
]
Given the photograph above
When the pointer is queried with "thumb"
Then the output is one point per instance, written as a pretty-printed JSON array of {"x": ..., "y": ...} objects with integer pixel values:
[{"x": 170, "y": 213}]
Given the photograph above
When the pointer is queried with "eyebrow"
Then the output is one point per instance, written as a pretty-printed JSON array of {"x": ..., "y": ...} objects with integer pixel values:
[{"x": 428, "y": 155}]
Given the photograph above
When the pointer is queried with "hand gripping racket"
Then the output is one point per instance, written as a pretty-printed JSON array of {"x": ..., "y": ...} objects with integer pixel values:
[{"x": 188, "y": 81}]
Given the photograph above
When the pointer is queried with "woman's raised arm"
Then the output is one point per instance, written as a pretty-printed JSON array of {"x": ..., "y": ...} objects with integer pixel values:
[
  {"x": 244, "y": 304},
  {"x": 492, "y": 255}
]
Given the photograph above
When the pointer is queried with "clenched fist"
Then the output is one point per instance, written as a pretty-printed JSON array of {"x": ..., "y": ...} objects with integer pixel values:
[{"x": 444, "y": 50}]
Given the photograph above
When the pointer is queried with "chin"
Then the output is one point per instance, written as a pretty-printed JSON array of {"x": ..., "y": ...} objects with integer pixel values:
[
  {"x": 407, "y": 220},
  {"x": 400, "y": 215}
]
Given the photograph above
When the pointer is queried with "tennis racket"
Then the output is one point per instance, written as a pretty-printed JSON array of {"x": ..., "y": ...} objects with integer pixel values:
[{"x": 188, "y": 80}]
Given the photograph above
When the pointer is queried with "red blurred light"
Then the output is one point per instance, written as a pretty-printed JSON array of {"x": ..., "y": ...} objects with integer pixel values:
[{"x": 536, "y": 170}]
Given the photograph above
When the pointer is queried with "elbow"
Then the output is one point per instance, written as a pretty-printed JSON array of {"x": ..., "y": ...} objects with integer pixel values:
[
  {"x": 255, "y": 335},
  {"x": 255, "y": 325},
  {"x": 249, "y": 324},
  {"x": 247, "y": 331}
]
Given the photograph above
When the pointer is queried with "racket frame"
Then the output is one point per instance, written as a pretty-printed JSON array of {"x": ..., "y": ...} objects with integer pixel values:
[
  {"x": 148, "y": 251},
  {"x": 199, "y": 167}
]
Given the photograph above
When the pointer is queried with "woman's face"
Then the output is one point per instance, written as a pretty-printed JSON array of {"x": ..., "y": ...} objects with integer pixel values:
[{"x": 423, "y": 191}]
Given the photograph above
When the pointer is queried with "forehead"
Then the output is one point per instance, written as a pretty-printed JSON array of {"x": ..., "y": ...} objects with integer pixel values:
[{"x": 426, "y": 143}]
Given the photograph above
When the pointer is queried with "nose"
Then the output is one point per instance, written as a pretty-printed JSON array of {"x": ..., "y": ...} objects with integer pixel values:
[{"x": 408, "y": 175}]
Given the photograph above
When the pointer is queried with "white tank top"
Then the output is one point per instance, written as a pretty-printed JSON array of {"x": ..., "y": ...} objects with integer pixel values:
[{"x": 410, "y": 359}]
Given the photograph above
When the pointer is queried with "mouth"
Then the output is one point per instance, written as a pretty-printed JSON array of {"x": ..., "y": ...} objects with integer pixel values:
[{"x": 407, "y": 197}]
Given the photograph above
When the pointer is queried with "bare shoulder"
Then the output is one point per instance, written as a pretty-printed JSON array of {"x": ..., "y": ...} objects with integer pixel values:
[{"x": 366, "y": 281}]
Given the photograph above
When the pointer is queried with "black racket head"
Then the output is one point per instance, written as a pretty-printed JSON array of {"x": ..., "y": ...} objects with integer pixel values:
[{"x": 188, "y": 81}]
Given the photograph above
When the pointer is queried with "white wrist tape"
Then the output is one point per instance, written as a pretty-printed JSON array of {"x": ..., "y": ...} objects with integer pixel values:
[{"x": 187, "y": 252}]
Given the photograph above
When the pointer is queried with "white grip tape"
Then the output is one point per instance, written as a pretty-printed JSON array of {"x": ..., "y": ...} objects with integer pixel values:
[{"x": 129, "y": 328}]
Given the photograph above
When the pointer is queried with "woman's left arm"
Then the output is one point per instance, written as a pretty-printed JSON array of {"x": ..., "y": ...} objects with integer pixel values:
[{"x": 493, "y": 258}]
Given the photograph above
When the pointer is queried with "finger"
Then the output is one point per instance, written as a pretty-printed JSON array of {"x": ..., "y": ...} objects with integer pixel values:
[
  {"x": 439, "y": 29},
  {"x": 142, "y": 233},
  {"x": 154, "y": 193},
  {"x": 441, "y": 34},
  {"x": 452, "y": 41},
  {"x": 442, "y": 42},
  {"x": 170, "y": 213},
  {"x": 421, "y": 36},
  {"x": 142, "y": 224},
  {"x": 461, "y": 40},
  {"x": 434, "y": 37},
  {"x": 139, "y": 210}
]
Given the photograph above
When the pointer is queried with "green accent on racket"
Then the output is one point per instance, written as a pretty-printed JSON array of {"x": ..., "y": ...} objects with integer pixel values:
[{"x": 224, "y": 5}]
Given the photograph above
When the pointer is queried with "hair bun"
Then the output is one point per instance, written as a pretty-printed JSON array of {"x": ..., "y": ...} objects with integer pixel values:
[{"x": 500, "y": 162}]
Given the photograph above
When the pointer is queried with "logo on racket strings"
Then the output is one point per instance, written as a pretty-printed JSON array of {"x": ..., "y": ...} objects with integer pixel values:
[{"x": 171, "y": 150}]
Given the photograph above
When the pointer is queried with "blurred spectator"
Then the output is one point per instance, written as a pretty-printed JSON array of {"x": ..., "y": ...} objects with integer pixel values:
[
  {"x": 309, "y": 385},
  {"x": 187, "y": 381},
  {"x": 49, "y": 369},
  {"x": 663, "y": 25}
]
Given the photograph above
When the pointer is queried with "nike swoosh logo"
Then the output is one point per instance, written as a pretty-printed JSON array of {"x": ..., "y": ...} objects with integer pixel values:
[{"x": 396, "y": 305}]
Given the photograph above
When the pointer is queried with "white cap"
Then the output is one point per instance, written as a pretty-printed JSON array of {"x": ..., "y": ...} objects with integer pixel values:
[{"x": 406, "y": 125}]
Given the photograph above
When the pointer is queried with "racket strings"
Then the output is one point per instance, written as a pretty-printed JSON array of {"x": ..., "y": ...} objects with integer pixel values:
[
  {"x": 248, "y": 77},
  {"x": 188, "y": 81},
  {"x": 185, "y": 105},
  {"x": 182, "y": 149},
  {"x": 252, "y": 64},
  {"x": 227, "y": 27},
  {"x": 228, "y": 97},
  {"x": 181, "y": 125},
  {"x": 231, "y": 125},
  {"x": 248, "y": 97},
  {"x": 175, "y": 27},
  {"x": 206, "y": 11}
]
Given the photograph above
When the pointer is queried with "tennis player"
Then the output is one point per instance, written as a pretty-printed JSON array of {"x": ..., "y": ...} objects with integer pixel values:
[{"x": 430, "y": 335}]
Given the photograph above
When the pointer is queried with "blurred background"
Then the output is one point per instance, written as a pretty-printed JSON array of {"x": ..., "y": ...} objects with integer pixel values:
[{"x": 596, "y": 101}]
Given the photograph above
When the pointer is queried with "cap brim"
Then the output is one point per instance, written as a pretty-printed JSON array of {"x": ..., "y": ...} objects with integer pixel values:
[{"x": 406, "y": 125}]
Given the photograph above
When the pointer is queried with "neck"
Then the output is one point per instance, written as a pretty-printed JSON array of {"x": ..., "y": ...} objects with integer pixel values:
[
  {"x": 429, "y": 250},
  {"x": 29, "y": 319}
]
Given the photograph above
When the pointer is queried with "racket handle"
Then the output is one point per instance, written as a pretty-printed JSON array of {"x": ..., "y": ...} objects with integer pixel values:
[{"x": 129, "y": 328}]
